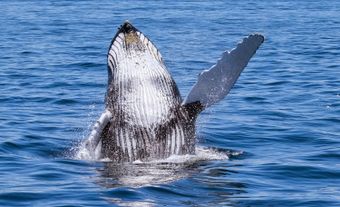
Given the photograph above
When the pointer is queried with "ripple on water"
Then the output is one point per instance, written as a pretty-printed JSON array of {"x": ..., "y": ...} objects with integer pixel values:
[
  {"x": 283, "y": 112},
  {"x": 141, "y": 173}
]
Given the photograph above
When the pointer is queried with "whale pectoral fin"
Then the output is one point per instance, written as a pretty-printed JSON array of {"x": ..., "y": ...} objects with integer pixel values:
[
  {"x": 97, "y": 130},
  {"x": 214, "y": 84}
]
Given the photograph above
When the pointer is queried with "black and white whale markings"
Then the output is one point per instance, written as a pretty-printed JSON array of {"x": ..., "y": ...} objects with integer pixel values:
[{"x": 145, "y": 117}]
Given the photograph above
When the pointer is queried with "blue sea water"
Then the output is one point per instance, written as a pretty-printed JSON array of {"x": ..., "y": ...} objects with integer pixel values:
[{"x": 280, "y": 125}]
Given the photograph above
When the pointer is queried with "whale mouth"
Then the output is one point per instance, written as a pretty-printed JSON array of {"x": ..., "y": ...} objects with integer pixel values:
[
  {"x": 130, "y": 46},
  {"x": 127, "y": 40},
  {"x": 127, "y": 27},
  {"x": 131, "y": 37}
]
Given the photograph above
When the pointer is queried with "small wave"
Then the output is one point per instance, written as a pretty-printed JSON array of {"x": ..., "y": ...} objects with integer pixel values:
[
  {"x": 66, "y": 101},
  {"x": 202, "y": 154},
  {"x": 159, "y": 171}
]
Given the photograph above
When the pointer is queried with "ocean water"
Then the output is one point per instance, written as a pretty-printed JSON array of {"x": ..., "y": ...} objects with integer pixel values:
[{"x": 274, "y": 141}]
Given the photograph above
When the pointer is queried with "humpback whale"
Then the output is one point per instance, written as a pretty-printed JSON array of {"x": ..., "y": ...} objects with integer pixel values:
[{"x": 145, "y": 117}]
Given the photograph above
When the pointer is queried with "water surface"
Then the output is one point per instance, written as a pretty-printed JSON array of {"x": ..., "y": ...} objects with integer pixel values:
[{"x": 279, "y": 125}]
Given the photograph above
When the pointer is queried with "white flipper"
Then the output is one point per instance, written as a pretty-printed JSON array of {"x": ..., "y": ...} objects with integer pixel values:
[
  {"x": 94, "y": 138},
  {"x": 214, "y": 84}
]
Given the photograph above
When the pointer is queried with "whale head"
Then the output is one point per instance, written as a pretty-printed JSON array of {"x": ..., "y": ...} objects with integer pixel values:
[{"x": 147, "y": 117}]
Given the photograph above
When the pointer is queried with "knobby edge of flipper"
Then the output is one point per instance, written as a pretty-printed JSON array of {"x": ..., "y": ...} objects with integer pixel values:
[{"x": 216, "y": 82}]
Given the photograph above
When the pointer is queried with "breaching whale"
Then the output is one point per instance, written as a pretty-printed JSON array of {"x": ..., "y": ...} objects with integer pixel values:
[{"x": 145, "y": 117}]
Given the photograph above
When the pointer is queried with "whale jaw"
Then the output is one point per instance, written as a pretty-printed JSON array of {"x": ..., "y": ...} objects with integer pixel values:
[{"x": 148, "y": 120}]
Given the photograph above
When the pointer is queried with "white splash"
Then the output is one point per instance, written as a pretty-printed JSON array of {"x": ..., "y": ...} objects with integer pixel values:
[
  {"x": 161, "y": 171},
  {"x": 83, "y": 152},
  {"x": 202, "y": 154}
]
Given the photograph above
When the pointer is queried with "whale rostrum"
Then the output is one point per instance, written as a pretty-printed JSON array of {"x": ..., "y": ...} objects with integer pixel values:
[{"x": 145, "y": 117}]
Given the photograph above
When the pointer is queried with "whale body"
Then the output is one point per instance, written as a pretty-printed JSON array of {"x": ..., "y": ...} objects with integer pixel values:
[{"x": 145, "y": 117}]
